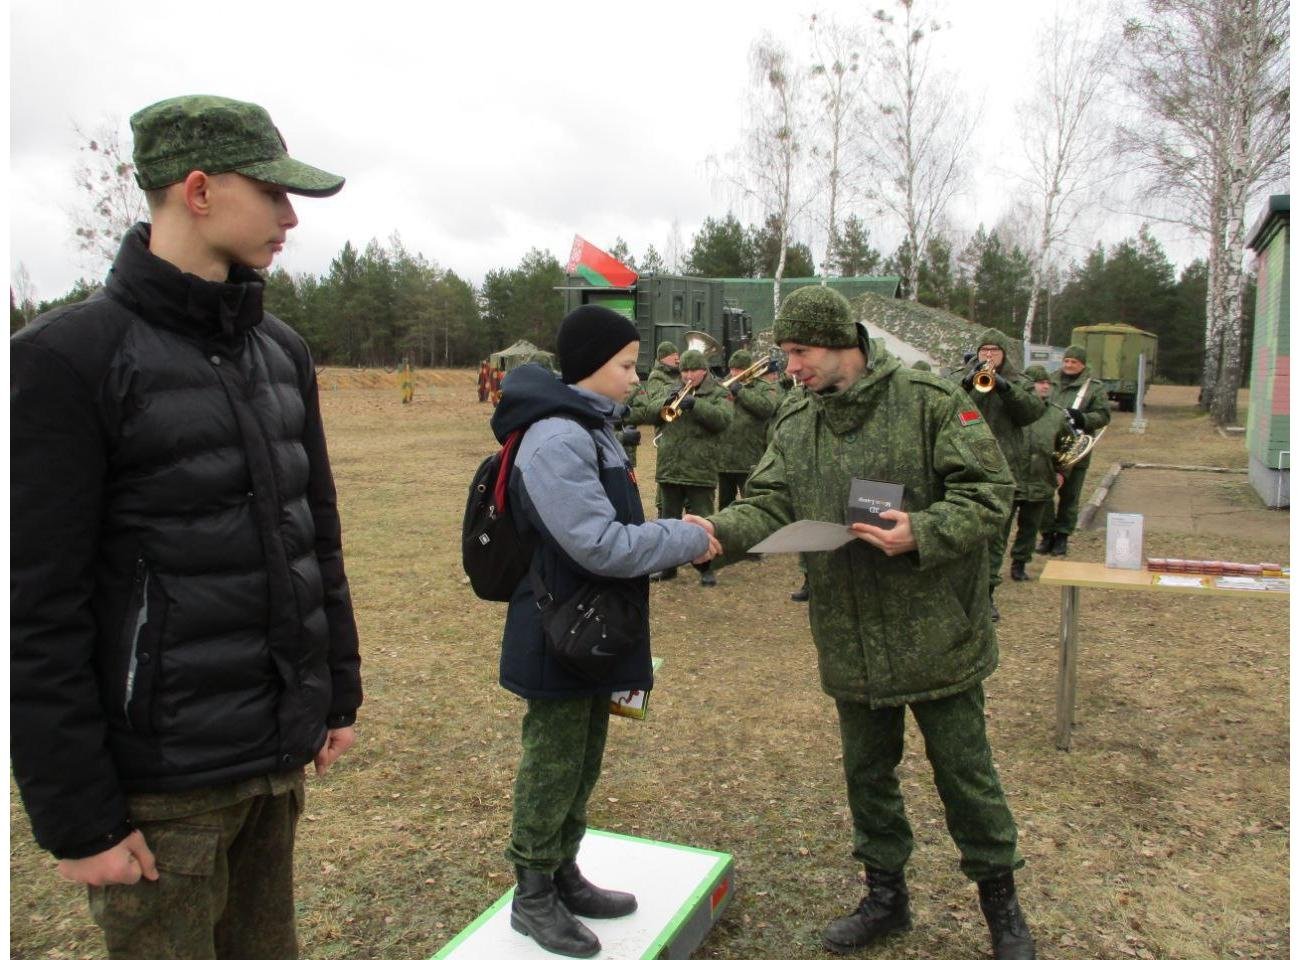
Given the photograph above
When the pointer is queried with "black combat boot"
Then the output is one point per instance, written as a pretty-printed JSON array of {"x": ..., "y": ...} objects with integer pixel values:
[
  {"x": 1018, "y": 570},
  {"x": 993, "y": 610},
  {"x": 707, "y": 577},
  {"x": 1011, "y": 937},
  {"x": 537, "y": 912},
  {"x": 882, "y": 911},
  {"x": 801, "y": 595},
  {"x": 669, "y": 574},
  {"x": 585, "y": 899},
  {"x": 1061, "y": 545},
  {"x": 1045, "y": 543}
]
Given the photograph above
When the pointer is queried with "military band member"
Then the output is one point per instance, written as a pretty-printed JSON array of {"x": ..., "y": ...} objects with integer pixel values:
[
  {"x": 1007, "y": 407},
  {"x": 900, "y": 617},
  {"x": 687, "y": 464},
  {"x": 1091, "y": 417},
  {"x": 1041, "y": 475},
  {"x": 746, "y": 439}
]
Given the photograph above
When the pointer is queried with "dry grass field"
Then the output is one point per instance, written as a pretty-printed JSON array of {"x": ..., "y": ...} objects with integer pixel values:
[{"x": 1162, "y": 835}]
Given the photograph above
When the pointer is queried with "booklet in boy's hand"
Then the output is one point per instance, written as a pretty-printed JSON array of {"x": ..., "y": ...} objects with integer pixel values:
[{"x": 868, "y": 499}]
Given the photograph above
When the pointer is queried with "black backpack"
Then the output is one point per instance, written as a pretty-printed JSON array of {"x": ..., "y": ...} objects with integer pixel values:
[{"x": 494, "y": 554}]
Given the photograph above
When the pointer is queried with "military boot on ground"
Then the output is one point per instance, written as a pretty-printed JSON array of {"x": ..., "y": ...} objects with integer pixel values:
[
  {"x": 537, "y": 912},
  {"x": 707, "y": 577},
  {"x": 1011, "y": 937},
  {"x": 993, "y": 609},
  {"x": 1018, "y": 570},
  {"x": 669, "y": 574},
  {"x": 801, "y": 595},
  {"x": 1045, "y": 543},
  {"x": 1061, "y": 545},
  {"x": 585, "y": 899},
  {"x": 884, "y": 910}
]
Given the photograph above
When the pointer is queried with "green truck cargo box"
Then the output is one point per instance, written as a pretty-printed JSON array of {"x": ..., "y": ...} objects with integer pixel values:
[{"x": 1113, "y": 351}]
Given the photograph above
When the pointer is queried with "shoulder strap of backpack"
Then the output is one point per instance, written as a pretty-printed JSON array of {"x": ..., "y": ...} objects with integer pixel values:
[{"x": 502, "y": 483}]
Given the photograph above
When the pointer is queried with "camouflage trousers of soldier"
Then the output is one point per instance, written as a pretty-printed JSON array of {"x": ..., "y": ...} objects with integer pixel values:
[
  {"x": 225, "y": 875},
  {"x": 1029, "y": 515},
  {"x": 1067, "y": 500},
  {"x": 956, "y": 743},
  {"x": 730, "y": 486},
  {"x": 679, "y": 498},
  {"x": 997, "y": 548},
  {"x": 563, "y": 745}
]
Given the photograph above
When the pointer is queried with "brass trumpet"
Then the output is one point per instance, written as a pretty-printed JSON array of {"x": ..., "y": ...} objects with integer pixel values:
[
  {"x": 755, "y": 369},
  {"x": 986, "y": 377},
  {"x": 671, "y": 410}
]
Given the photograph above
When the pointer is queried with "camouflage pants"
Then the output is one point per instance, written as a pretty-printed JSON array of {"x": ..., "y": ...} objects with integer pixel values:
[
  {"x": 225, "y": 876},
  {"x": 979, "y": 820},
  {"x": 1030, "y": 515},
  {"x": 997, "y": 548},
  {"x": 564, "y": 743},
  {"x": 1067, "y": 500},
  {"x": 730, "y": 486},
  {"x": 678, "y": 498}
]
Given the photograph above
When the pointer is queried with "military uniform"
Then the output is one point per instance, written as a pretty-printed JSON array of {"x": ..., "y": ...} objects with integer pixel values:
[
  {"x": 1008, "y": 407},
  {"x": 1096, "y": 414},
  {"x": 911, "y": 631},
  {"x": 746, "y": 438},
  {"x": 1038, "y": 484}
]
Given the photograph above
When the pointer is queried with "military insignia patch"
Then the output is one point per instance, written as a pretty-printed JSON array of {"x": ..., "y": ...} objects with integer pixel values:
[{"x": 967, "y": 417}]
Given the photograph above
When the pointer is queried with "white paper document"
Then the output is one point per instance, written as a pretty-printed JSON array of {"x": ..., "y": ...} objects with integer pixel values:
[
  {"x": 805, "y": 536},
  {"x": 1178, "y": 580}
]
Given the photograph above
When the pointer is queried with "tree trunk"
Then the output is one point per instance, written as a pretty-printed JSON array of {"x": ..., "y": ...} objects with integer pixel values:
[{"x": 1213, "y": 307}]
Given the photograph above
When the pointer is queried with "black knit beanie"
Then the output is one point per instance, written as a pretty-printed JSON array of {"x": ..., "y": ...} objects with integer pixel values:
[{"x": 589, "y": 336}]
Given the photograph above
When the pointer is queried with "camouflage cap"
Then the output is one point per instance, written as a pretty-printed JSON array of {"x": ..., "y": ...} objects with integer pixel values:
[
  {"x": 1075, "y": 352},
  {"x": 218, "y": 135},
  {"x": 1037, "y": 373},
  {"x": 741, "y": 360},
  {"x": 693, "y": 360},
  {"x": 665, "y": 349},
  {"x": 816, "y": 317},
  {"x": 920, "y": 365}
]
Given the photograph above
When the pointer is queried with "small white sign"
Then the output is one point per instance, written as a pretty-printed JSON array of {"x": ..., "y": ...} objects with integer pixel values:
[
  {"x": 1178, "y": 580},
  {"x": 1124, "y": 541}
]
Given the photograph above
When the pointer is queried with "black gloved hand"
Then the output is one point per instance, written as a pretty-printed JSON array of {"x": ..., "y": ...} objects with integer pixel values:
[
  {"x": 735, "y": 388},
  {"x": 1076, "y": 418},
  {"x": 968, "y": 381},
  {"x": 629, "y": 436},
  {"x": 1000, "y": 383},
  {"x": 688, "y": 403}
]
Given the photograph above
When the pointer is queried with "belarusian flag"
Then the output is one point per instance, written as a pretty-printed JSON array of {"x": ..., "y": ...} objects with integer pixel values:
[{"x": 597, "y": 267}]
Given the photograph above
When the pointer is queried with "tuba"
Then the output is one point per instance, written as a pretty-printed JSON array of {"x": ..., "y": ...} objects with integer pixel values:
[
  {"x": 1080, "y": 444},
  {"x": 701, "y": 341}
]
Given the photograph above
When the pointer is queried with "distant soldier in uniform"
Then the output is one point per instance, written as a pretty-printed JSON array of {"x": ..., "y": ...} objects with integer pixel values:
[
  {"x": 687, "y": 464},
  {"x": 900, "y": 617},
  {"x": 746, "y": 439},
  {"x": 1091, "y": 417},
  {"x": 665, "y": 371},
  {"x": 1041, "y": 478},
  {"x": 484, "y": 381},
  {"x": 1008, "y": 407}
]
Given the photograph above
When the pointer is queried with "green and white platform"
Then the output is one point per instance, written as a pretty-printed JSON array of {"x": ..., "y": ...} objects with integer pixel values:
[{"x": 680, "y": 892}]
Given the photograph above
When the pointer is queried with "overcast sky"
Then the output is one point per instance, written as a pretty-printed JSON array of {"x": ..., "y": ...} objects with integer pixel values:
[{"x": 475, "y": 130}]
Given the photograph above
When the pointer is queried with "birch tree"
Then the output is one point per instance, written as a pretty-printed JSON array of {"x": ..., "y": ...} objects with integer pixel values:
[
  {"x": 836, "y": 75},
  {"x": 917, "y": 130},
  {"x": 110, "y": 201},
  {"x": 1213, "y": 78},
  {"x": 1064, "y": 130}
]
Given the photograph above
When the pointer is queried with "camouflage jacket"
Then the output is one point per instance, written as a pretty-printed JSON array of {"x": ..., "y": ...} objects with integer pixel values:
[
  {"x": 1007, "y": 411},
  {"x": 746, "y": 438},
  {"x": 1096, "y": 406},
  {"x": 688, "y": 447},
  {"x": 888, "y": 630},
  {"x": 1038, "y": 481}
]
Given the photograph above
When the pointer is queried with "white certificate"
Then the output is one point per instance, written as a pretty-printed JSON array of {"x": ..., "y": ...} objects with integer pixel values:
[{"x": 805, "y": 536}]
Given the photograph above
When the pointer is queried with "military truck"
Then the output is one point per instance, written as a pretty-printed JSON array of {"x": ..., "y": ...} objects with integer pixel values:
[
  {"x": 668, "y": 307},
  {"x": 1113, "y": 351}
]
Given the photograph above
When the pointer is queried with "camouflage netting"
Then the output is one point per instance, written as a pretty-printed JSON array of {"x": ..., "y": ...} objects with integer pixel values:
[{"x": 944, "y": 336}]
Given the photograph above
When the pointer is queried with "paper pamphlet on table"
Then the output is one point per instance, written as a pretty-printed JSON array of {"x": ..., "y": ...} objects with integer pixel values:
[
  {"x": 1178, "y": 580},
  {"x": 805, "y": 536}
]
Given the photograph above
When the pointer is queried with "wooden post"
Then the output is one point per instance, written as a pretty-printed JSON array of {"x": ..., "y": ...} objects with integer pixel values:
[{"x": 1067, "y": 673}]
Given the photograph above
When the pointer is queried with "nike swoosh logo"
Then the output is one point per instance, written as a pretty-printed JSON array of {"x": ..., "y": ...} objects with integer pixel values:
[{"x": 597, "y": 652}]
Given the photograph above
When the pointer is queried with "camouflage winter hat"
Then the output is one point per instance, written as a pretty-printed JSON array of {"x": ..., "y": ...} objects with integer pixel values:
[
  {"x": 741, "y": 360},
  {"x": 665, "y": 349},
  {"x": 816, "y": 317},
  {"x": 218, "y": 135},
  {"x": 693, "y": 360},
  {"x": 920, "y": 365},
  {"x": 1037, "y": 373},
  {"x": 1075, "y": 353}
]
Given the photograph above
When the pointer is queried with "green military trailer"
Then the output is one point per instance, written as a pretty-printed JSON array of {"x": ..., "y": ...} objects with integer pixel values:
[
  {"x": 1113, "y": 352},
  {"x": 668, "y": 307}
]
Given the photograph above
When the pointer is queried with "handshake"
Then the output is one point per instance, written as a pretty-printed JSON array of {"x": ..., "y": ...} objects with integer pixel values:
[{"x": 715, "y": 548}]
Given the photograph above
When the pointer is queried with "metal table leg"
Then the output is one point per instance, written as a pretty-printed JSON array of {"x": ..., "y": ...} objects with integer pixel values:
[{"x": 1067, "y": 671}]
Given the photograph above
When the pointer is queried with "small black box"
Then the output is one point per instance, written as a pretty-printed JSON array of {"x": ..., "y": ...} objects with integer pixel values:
[{"x": 870, "y": 498}]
